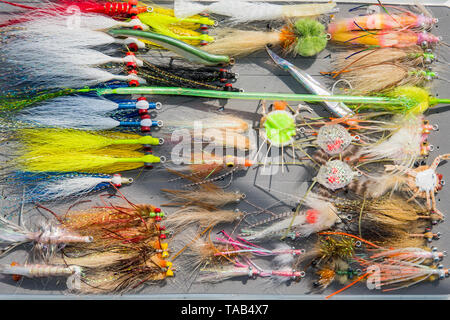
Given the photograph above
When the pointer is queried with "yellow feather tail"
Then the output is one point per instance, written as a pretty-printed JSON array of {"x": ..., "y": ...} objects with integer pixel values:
[
  {"x": 50, "y": 141},
  {"x": 96, "y": 162}
]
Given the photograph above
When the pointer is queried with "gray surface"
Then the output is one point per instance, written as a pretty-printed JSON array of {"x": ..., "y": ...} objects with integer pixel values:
[{"x": 257, "y": 73}]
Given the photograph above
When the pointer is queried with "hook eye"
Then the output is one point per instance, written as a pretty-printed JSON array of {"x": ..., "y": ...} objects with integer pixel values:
[
  {"x": 328, "y": 36},
  {"x": 162, "y": 159},
  {"x": 431, "y": 147},
  {"x": 301, "y": 130},
  {"x": 230, "y": 164},
  {"x": 161, "y": 141},
  {"x": 302, "y": 274},
  {"x": 358, "y": 244},
  {"x": 158, "y": 106},
  {"x": 436, "y": 127},
  {"x": 160, "y": 123},
  {"x": 149, "y": 9},
  {"x": 348, "y": 83}
]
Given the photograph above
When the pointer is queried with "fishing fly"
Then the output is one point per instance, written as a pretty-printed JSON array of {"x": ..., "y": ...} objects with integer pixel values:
[{"x": 241, "y": 11}]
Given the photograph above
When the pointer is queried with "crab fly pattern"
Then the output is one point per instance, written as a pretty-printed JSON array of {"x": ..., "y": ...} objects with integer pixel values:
[
  {"x": 334, "y": 139},
  {"x": 423, "y": 182},
  {"x": 335, "y": 174},
  {"x": 337, "y": 150},
  {"x": 282, "y": 127}
]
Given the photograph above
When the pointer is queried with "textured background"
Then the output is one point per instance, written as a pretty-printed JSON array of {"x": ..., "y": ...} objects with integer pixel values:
[{"x": 257, "y": 74}]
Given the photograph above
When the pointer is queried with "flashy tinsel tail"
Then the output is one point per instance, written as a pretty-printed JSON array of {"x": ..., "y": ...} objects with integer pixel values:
[{"x": 10, "y": 101}]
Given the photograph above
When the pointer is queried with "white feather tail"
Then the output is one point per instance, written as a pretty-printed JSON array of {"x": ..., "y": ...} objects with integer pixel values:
[
  {"x": 242, "y": 11},
  {"x": 402, "y": 147},
  {"x": 75, "y": 186},
  {"x": 12, "y": 233}
]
